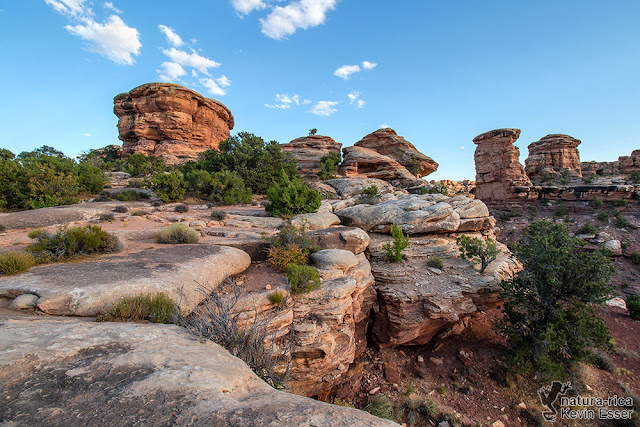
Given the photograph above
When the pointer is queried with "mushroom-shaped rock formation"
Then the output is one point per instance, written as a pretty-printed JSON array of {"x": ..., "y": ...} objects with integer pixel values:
[
  {"x": 170, "y": 121},
  {"x": 499, "y": 174},
  {"x": 360, "y": 162},
  {"x": 309, "y": 151},
  {"x": 553, "y": 155}
]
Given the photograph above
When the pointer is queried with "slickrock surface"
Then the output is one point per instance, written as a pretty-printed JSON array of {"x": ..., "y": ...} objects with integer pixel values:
[
  {"x": 553, "y": 155},
  {"x": 309, "y": 150},
  {"x": 76, "y": 373},
  {"x": 387, "y": 142},
  {"x": 90, "y": 288},
  {"x": 349, "y": 187},
  {"x": 499, "y": 174},
  {"x": 170, "y": 121},
  {"x": 360, "y": 162}
]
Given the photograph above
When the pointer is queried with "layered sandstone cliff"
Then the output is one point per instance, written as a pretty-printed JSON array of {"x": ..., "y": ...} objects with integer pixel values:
[
  {"x": 309, "y": 151},
  {"x": 554, "y": 155}
]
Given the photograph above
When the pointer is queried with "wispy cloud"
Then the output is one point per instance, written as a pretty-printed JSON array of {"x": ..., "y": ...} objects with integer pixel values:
[
  {"x": 171, "y": 72},
  {"x": 324, "y": 108},
  {"x": 86, "y": 134},
  {"x": 109, "y": 6},
  {"x": 345, "y": 71},
  {"x": 71, "y": 8},
  {"x": 285, "y": 101},
  {"x": 361, "y": 103},
  {"x": 192, "y": 60},
  {"x": 353, "y": 96},
  {"x": 172, "y": 37},
  {"x": 215, "y": 86},
  {"x": 244, "y": 7},
  {"x": 366, "y": 65}
]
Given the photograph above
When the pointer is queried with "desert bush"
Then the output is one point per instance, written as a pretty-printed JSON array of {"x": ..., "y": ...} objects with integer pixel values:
[
  {"x": 131, "y": 195},
  {"x": 177, "y": 234},
  {"x": 72, "y": 242},
  {"x": 279, "y": 257},
  {"x": 292, "y": 197},
  {"x": 181, "y": 208},
  {"x": 140, "y": 165},
  {"x": 437, "y": 188},
  {"x": 473, "y": 248},
  {"x": 603, "y": 216},
  {"x": 393, "y": 250},
  {"x": 218, "y": 215},
  {"x": 602, "y": 361},
  {"x": 370, "y": 195},
  {"x": 329, "y": 166},
  {"x": 313, "y": 131},
  {"x": 108, "y": 217},
  {"x": 168, "y": 186},
  {"x": 14, "y": 262},
  {"x": 635, "y": 177},
  {"x": 596, "y": 202},
  {"x": 277, "y": 297},
  {"x": 635, "y": 258},
  {"x": 549, "y": 317},
  {"x": 561, "y": 210},
  {"x": 137, "y": 212},
  {"x": 622, "y": 222},
  {"x": 291, "y": 235},
  {"x": 155, "y": 308},
  {"x": 227, "y": 188},
  {"x": 121, "y": 209},
  {"x": 218, "y": 319},
  {"x": 633, "y": 306},
  {"x": 342, "y": 402},
  {"x": 302, "y": 278},
  {"x": 48, "y": 187},
  {"x": 620, "y": 203},
  {"x": 436, "y": 262},
  {"x": 380, "y": 406},
  {"x": 587, "y": 228},
  {"x": 588, "y": 179},
  {"x": 91, "y": 179}
]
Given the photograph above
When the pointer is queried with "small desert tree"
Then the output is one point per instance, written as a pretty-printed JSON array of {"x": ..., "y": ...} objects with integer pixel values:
[
  {"x": 313, "y": 131},
  {"x": 393, "y": 250},
  {"x": 549, "y": 318},
  {"x": 473, "y": 248}
]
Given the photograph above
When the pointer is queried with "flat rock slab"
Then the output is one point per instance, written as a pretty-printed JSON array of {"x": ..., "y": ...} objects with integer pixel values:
[
  {"x": 90, "y": 288},
  {"x": 77, "y": 373}
]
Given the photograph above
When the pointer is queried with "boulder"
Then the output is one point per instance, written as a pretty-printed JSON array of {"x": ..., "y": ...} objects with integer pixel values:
[
  {"x": 170, "y": 121},
  {"x": 97, "y": 374},
  {"x": 360, "y": 162},
  {"x": 90, "y": 288},
  {"x": 309, "y": 150},
  {"x": 552, "y": 156},
  {"x": 499, "y": 174},
  {"x": 24, "y": 302},
  {"x": 387, "y": 142},
  {"x": 334, "y": 259},
  {"x": 352, "y": 239},
  {"x": 614, "y": 246},
  {"x": 315, "y": 221},
  {"x": 349, "y": 187}
]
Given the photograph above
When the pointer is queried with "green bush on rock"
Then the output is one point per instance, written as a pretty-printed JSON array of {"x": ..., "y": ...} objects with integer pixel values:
[
  {"x": 302, "y": 278},
  {"x": 473, "y": 248},
  {"x": 68, "y": 243},
  {"x": 155, "y": 308},
  {"x": 393, "y": 250},
  {"x": 14, "y": 262},
  {"x": 292, "y": 197},
  {"x": 177, "y": 234}
]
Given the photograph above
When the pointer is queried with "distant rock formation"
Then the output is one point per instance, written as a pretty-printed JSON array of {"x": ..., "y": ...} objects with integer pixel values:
[
  {"x": 309, "y": 150},
  {"x": 499, "y": 174},
  {"x": 170, "y": 121},
  {"x": 553, "y": 155},
  {"x": 387, "y": 142},
  {"x": 625, "y": 165}
]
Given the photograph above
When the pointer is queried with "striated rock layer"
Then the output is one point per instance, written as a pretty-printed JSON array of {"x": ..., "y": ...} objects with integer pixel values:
[
  {"x": 360, "y": 162},
  {"x": 170, "y": 121},
  {"x": 499, "y": 174},
  {"x": 309, "y": 150},
  {"x": 552, "y": 155},
  {"x": 625, "y": 165}
]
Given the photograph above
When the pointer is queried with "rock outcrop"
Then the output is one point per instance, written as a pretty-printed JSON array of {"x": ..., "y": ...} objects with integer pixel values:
[
  {"x": 170, "y": 121},
  {"x": 499, "y": 174},
  {"x": 79, "y": 373},
  {"x": 625, "y": 165},
  {"x": 553, "y": 155},
  {"x": 387, "y": 142},
  {"x": 360, "y": 162},
  {"x": 309, "y": 150}
]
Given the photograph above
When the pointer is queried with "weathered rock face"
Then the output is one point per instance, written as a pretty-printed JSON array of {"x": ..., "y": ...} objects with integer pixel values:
[
  {"x": 128, "y": 372},
  {"x": 553, "y": 155},
  {"x": 360, "y": 162},
  {"x": 349, "y": 187},
  {"x": 170, "y": 121},
  {"x": 499, "y": 174},
  {"x": 625, "y": 165},
  {"x": 309, "y": 150},
  {"x": 387, "y": 142}
]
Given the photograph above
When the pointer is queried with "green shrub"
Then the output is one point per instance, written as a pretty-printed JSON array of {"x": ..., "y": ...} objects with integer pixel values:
[
  {"x": 370, "y": 195},
  {"x": 620, "y": 203},
  {"x": 380, "y": 406},
  {"x": 292, "y": 197},
  {"x": 596, "y": 202},
  {"x": 588, "y": 179},
  {"x": 168, "y": 186},
  {"x": 633, "y": 306},
  {"x": 14, "y": 262},
  {"x": 436, "y": 262},
  {"x": 635, "y": 258},
  {"x": 131, "y": 195},
  {"x": 121, "y": 209},
  {"x": 279, "y": 257},
  {"x": 602, "y": 361},
  {"x": 313, "y": 131},
  {"x": 561, "y": 210},
  {"x": 588, "y": 228},
  {"x": 218, "y": 215},
  {"x": 108, "y": 217},
  {"x": 141, "y": 165},
  {"x": 291, "y": 235},
  {"x": 393, "y": 250},
  {"x": 156, "y": 308},
  {"x": 473, "y": 248},
  {"x": 603, "y": 216},
  {"x": 177, "y": 234},
  {"x": 91, "y": 179},
  {"x": 48, "y": 187},
  {"x": 181, "y": 208},
  {"x": 622, "y": 222},
  {"x": 138, "y": 212},
  {"x": 437, "y": 188},
  {"x": 227, "y": 188},
  {"x": 277, "y": 297},
  {"x": 549, "y": 317},
  {"x": 329, "y": 166},
  {"x": 72, "y": 242},
  {"x": 635, "y": 177},
  {"x": 302, "y": 278}
]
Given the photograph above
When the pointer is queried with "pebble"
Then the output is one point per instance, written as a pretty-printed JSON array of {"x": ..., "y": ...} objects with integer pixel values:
[
  {"x": 420, "y": 359},
  {"x": 374, "y": 390},
  {"x": 267, "y": 287},
  {"x": 522, "y": 405}
]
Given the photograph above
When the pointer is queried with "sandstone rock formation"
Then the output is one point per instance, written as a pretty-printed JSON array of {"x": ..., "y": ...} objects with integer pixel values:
[
  {"x": 387, "y": 142},
  {"x": 349, "y": 187},
  {"x": 170, "y": 121},
  {"x": 499, "y": 174},
  {"x": 79, "y": 373},
  {"x": 553, "y": 155},
  {"x": 309, "y": 150},
  {"x": 625, "y": 165},
  {"x": 360, "y": 162}
]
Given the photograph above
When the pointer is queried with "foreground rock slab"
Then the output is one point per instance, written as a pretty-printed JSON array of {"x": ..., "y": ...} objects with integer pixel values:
[
  {"x": 75, "y": 373},
  {"x": 90, "y": 288}
]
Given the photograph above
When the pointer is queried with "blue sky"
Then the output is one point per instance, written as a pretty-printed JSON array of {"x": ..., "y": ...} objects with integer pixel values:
[{"x": 439, "y": 73}]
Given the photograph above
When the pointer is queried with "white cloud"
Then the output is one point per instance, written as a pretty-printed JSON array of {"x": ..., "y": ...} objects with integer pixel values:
[
  {"x": 353, "y": 96},
  {"x": 285, "y": 101},
  {"x": 213, "y": 86},
  {"x": 171, "y": 72},
  {"x": 112, "y": 39},
  {"x": 192, "y": 60},
  {"x": 70, "y": 8},
  {"x": 462, "y": 147},
  {"x": 283, "y": 21},
  {"x": 86, "y": 134},
  {"x": 324, "y": 108},
  {"x": 223, "y": 81},
  {"x": 366, "y": 65},
  {"x": 306, "y": 101},
  {"x": 345, "y": 71},
  {"x": 109, "y": 6},
  {"x": 194, "y": 73},
  {"x": 172, "y": 37},
  {"x": 244, "y": 7},
  {"x": 361, "y": 103},
  {"x": 384, "y": 126}
]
